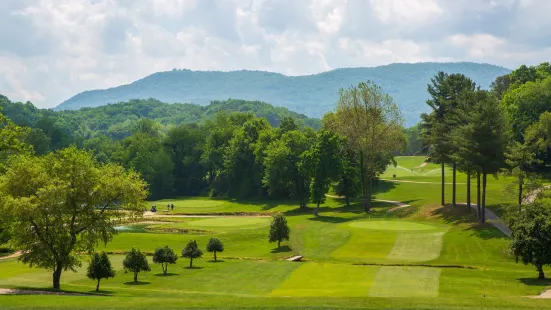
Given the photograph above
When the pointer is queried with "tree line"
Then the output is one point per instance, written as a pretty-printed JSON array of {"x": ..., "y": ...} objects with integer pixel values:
[{"x": 486, "y": 132}]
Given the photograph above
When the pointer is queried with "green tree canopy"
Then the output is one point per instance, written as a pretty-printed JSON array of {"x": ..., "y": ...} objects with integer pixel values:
[
  {"x": 214, "y": 246},
  {"x": 164, "y": 256},
  {"x": 192, "y": 251},
  {"x": 531, "y": 236},
  {"x": 100, "y": 268},
  {"x": 135, "y": 262},
  {"x": 279, "y": 229},
  {"x": 64, "y": 203}
]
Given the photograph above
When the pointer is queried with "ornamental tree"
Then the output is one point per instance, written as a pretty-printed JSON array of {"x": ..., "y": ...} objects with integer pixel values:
[
  {"x": 215, "y": 245},
  {"x": 100, "y": 268},
  {"x": 192, "y": 251},
  {"x": 164, "y": 256},
  {"x": 135, "y": 262},
  {"x": 279, "y": 230}
]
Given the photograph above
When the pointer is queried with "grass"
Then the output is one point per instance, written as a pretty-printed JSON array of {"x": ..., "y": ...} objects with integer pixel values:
[{"x": 422, "y": 257}]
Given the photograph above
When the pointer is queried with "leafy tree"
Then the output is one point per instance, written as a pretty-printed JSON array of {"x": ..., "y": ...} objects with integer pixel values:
[
  {"x": 348, "y": 183},
  {"x": 100, "y": 268},
  {"x": 322, "y": 163},
  {"x": 531, "y": 236},
  {"x": 482, "y": 142},
  {"x": 135, "y": 262},
  {"x": 500, "y": 85},
  {"x": 414, "y": 146},
  {"x": 524, "y": 105},
  {"x": 164, "y": 256},
  {"x": 279, "y": 230},
  {"x": 372, "y": 124},
  {"x": 192, "y": 252},
  {"x": 520, "y": 158},
  {"x": 65, "y": 203},
  {"x": 39, "y": 141},
  {"x": 283, "y": 176},
  {"x": 538, "y": 138},
  {"x": 215, "y": 245},
  {"x": 12, "y": 140}
]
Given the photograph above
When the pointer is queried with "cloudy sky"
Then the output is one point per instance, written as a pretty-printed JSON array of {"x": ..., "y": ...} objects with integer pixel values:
[{"x": 52, "y": 49}]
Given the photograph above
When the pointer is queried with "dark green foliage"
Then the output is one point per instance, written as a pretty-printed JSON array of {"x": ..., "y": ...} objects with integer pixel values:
[
  {"x": 100, "y": 268},
  {"x": 279, "y": 230},
  {"x": 214, "y": 246},
  {"x": 414, "y": 143},
  {"x": 531, "y": 236},
  {"x": 313, "y": 95},
  {"x": 135, "y": 262},
  {"x": 348, "y": 183},
  {"x": 164, "y": 256},
  {"x": 192, "y": 252}
]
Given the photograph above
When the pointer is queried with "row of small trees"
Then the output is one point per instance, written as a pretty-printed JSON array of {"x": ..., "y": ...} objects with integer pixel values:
[{"x": 135, "y": 261}]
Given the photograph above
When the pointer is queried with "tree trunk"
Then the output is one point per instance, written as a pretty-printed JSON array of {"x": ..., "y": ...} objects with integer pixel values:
[
  {"x": 520, "y": 181},
  {"x": 316, "y": 212},
  {"x": 454, "y": 183},
  {"x": 278, "y": 243},
  {"x": 362, "y": 173},
  {"x": 97, "y": 286},
  {"x": 190, "y": 262},
  {"x": 469, "y": 190},
  {"x": 347, "y": 200},
  {"x": 541, "y": 274},
  {"x": 368, "y": 194},
  {"x": 135, "y": 277},
  {"x": 57, "y": 276},
  {"x": 478, "y": 194},
  {"x": 165, "y": 267},
  {"x": 483, "y": 216},
  {"x": 443, "y": 187},
  {"x": 214, "y": 255}
]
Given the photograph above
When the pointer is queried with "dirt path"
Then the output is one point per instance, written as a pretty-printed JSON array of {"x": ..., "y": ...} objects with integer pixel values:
[
  {"x": 399, "y": 205},
  {"x": 544, "y": 295},
  {"x": 534, "y": 194},
  {"x": 16, "y": 254}
]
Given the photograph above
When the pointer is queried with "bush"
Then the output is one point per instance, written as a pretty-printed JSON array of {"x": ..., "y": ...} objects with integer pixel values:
[{"x": 279, "y": 230}]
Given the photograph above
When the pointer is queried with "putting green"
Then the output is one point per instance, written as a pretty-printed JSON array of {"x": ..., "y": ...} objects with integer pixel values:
[
  {"x": 231, "y": 222},
  {"x": 406, "y": 282},
  {"x": 391, "y": 225},
  {"x": 417, "y": 247}
]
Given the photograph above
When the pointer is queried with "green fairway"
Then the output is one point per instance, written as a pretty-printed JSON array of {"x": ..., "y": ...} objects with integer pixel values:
[
  {"x": 419, "y": 257},
  {"x": 392, "y": 225}
]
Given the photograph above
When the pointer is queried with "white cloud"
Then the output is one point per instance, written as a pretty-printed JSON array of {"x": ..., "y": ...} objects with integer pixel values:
[{"x": 51, "y": 50}]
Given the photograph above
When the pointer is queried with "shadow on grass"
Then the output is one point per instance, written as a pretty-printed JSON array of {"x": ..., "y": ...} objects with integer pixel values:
[
  {"x": 216, "y": 261},
  {"x": 332, "y": 219},
  {"x": 281, "y": 249},
  {"x": 136, "y": 283},
  {"x": 101, "y": 292},
  {"x": 194, "y": 267},
  {"x": 380, "y": 186},
  {"x": 534, "y": 281},
  {"x": 462, "y": 216},
  {"x": 168, "y": 274}
]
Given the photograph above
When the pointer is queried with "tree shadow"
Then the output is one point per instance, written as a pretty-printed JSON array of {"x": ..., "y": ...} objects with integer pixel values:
[
  {"x": 194, "y": 267},
  {"x": 461, "y": 215},
  {"x": 535, "y": 281},
  {"x": 381, "y": 186},
  {"x": 332, "y": 219},
  {"x": 216, "y": 261},
  {"x": 136, "y": 283},
  {"x": 281, "y": 249},
  {"x": 101, "y": 292},
  {"x": 168, "y": 274}
]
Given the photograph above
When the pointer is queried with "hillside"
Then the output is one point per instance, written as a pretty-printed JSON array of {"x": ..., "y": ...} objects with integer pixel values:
[
  {"x": 312, "y": 95},
  {"x": 116, "y": 120}
]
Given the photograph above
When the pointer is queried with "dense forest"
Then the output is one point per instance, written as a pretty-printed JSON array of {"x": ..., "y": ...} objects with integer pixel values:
[{"x": 313, "y": 95}]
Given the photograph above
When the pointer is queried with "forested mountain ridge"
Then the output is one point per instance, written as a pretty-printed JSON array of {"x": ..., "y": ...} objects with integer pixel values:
[
  {"x": 312, "y": 95},
  {"x": 117, "y": 120}
]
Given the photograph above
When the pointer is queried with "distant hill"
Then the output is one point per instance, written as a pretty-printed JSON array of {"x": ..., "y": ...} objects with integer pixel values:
[
  {"x": 312, "y": 95},
  {"x": 116, "y": 120}
]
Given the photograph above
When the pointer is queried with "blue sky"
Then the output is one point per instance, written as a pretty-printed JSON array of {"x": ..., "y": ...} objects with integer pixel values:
[{"x": 52, "y": 49}]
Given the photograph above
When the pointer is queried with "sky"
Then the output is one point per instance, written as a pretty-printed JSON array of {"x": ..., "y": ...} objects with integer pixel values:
[{"x": 51, "y": 50}]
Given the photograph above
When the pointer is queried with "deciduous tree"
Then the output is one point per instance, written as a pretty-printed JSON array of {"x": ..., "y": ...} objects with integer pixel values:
[
  {"x": 214, "y": 246},
  {"x": 100, "y": 268},
  {"x": 192, "y": 252},
  {"x": 135, "y": 262},
  {"x": 64, "y": 203},
  {"x": 164, "y": 256},
  {"x": 279, "y": 230}
]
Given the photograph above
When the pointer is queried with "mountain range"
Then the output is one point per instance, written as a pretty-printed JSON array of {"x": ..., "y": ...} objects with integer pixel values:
[{"x": 312, "y": 95}]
